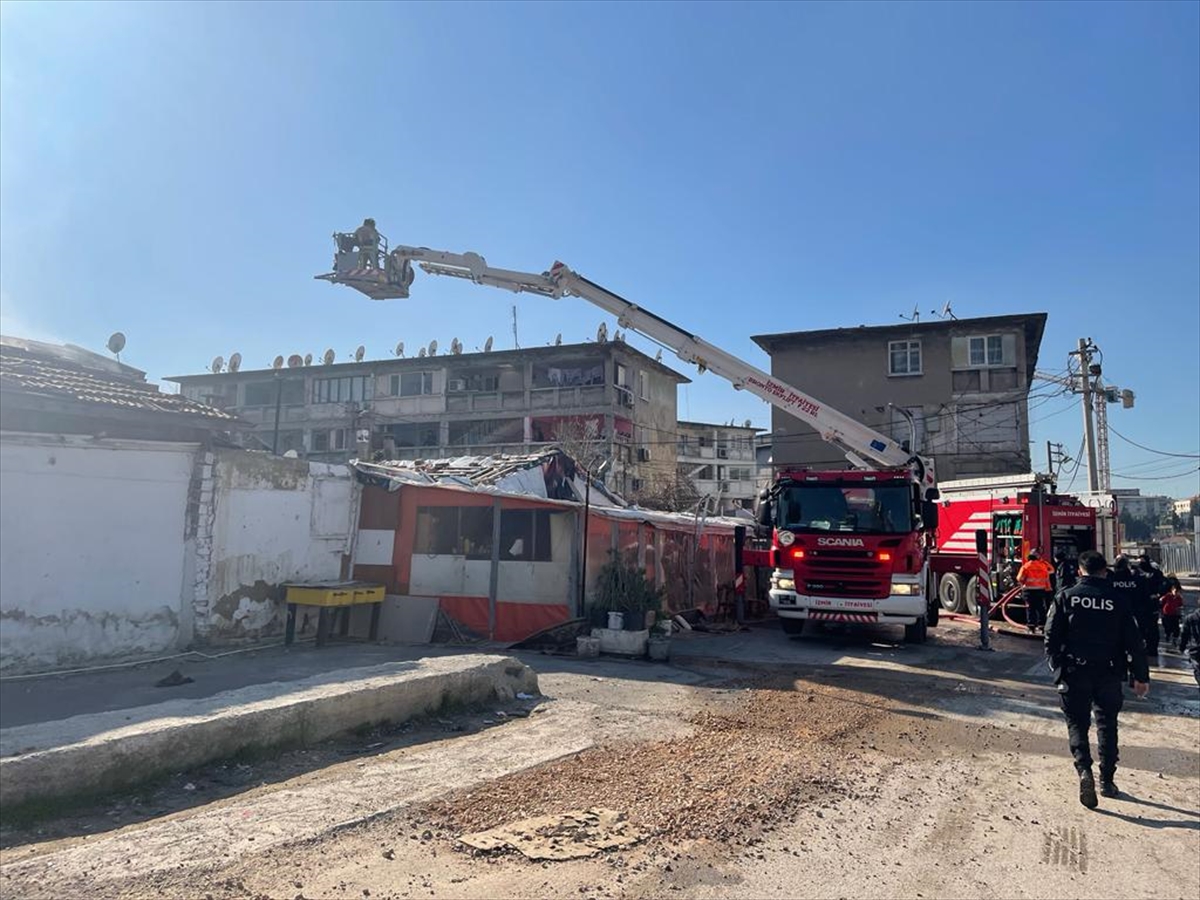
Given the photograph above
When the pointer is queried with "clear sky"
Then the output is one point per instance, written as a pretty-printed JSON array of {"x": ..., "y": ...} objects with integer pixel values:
[{"x": 174, "y": 171}]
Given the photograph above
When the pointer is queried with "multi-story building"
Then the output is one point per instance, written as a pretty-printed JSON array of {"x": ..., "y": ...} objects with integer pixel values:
[
  {"x": 595, "y": 399},
  {"x": 1133, "y": 502},
  {"x": 959, "y": 387},
  {"x": 719, "y": 460}
]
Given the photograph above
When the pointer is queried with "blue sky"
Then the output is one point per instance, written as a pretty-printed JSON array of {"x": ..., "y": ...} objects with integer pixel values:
[{"x": 174, "y": 171}]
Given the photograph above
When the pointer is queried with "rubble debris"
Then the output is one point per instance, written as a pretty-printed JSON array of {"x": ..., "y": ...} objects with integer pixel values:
[
  {"x": 175, "y": 679},
  {"x": 572, "y": 835}
]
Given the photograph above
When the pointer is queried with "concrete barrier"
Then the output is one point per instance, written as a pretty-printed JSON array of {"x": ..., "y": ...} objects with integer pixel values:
[{"x": 93, "y": 755}]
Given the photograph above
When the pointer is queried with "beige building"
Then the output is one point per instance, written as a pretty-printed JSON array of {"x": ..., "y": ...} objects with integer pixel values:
[
  {"x": 719, "y": 460},
  {"x": 593, "y": 398},
  {"x": 965, "y": 383}
]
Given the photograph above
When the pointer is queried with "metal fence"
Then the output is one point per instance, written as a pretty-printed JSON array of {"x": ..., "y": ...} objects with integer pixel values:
[{"x": 1179, "y": 558}]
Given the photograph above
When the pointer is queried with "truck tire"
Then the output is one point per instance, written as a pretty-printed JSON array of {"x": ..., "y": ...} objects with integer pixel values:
[
  {"x": 971, "y": 596},
  {"x": 917, "y": 632},
  {"x": 951, "y": 592},
  {"x": 792, "y": 626}
]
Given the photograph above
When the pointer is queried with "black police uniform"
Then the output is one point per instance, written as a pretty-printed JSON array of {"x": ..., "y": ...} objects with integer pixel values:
[
  {"x": 1154, "y": 585},
  {"x": 1089, "y": 632},
  {"x": 1132, "y": 588},
  {"x": 1189, "y": 640}
]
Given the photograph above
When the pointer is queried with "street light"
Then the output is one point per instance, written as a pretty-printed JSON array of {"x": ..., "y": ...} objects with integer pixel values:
[{"x": 587, "y": 506}]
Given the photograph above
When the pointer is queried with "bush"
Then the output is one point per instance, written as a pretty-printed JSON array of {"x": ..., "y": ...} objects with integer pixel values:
[{"x": 624, "y": 588}]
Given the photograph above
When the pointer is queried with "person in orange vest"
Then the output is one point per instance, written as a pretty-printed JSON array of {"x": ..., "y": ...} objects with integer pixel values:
[{"x": 1035, "y": 580}]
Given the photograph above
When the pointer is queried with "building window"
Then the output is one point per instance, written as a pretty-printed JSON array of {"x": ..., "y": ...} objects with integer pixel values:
[
  {"x": 525, "y": 535},
  {"x": 904, "y": 357},
  {"x": 329, "y": 440},
  {"x": 354, "y": 388},
  {"x": 644, "y": 385},
  {"x": 705, "y": 441},
  {"x": 263, "y": 393},
  {"x": 411, "y": 384},
  {"x": 681, "y": 445},
  {"x": 622, "y": 376},
  {"x": 986, "y": 351},
  {"x": 454, "y": 531}
]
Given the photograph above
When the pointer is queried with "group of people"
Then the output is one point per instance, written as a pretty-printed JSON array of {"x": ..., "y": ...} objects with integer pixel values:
[{"x": 1099, "y": 629}]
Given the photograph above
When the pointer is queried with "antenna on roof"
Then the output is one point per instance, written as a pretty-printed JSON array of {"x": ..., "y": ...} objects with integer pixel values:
[
  {"x": 602, "y": 333},
  {"x": 217, "y": 364},
  {"x": 399, "y": 351},
  {"x": 116, "y": 343},
  {"x": 235, "y": 362},
  {"x": 915, "y": 317},
  {"x": 278, "y": 363},
  {"x": 421, "y": 353},
  {"x": 308, "y": 359},
  {"x": 295, "y": 361},
  {"x": 487, "y": 345},
  {"x": 658, "y": 356},
  {"x": 433, "y": 347},
  {"x": 746, "y": 424},
  {"x": 946, "y": 313},
  {"x": 328, "y": 357},
  {"x": 360, "y": 353},
  {"x": 455, "y": 346},
  {"x": 558, "y": 339}
]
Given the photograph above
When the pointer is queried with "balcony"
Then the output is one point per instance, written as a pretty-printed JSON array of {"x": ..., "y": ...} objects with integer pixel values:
[{"x": 568, "y": 397}]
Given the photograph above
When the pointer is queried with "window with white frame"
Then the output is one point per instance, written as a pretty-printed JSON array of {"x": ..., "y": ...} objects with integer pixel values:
[
  {"x": 644, "y": 385},
  {"x": 411, "y": 384},
  {"x": 904, "y": 357},
  {"x": 986, "y": 350},
  {"x": 327, "y": 440},
  {"x": 343, "y": 390}
]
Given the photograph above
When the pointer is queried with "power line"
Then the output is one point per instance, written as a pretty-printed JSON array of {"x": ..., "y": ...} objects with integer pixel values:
[
  {"x": 1151, "y": 449},
  {"x": 1156, "y": 477}
]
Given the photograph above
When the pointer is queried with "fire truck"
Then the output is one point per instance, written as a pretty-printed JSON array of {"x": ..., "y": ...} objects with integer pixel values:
[
  {"x": 1018, "y": 513},
  {"x": 845, "y": 546}
]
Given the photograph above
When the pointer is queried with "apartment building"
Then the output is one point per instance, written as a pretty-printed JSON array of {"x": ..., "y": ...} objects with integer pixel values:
[
  {"x": 720, "y": 461},
  {"x": 595, "y": 399},
  {"x": 959, "y": 388}
]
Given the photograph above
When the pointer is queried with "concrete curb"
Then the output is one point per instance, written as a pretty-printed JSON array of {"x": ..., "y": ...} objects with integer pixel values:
[{"x": 92, "y": 755}]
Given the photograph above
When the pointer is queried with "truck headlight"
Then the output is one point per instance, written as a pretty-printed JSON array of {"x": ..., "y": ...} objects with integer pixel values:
[
  {"x": 905, "y": 590},
  {"x": 786, "y": 584}
]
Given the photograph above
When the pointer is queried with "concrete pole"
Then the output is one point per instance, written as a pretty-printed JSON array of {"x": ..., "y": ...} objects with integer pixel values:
[{"x": 1089, "y": 431}]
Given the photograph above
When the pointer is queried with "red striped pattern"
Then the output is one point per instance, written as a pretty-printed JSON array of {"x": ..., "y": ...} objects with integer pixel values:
[{"x": 842, "y": 617}]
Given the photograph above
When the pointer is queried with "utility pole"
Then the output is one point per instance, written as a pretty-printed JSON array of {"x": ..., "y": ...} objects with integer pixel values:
[{"x": 1089, "y": 432}]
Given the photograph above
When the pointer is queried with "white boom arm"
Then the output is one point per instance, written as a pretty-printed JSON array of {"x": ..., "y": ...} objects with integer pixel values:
[{"x": 862, "y": 445}]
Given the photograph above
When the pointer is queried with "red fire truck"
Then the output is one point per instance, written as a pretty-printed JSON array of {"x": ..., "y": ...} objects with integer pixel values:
[{"x": 1018, "y": 513}]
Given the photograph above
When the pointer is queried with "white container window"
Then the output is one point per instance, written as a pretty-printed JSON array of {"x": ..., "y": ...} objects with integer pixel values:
[{"x": 904, "y": 357}]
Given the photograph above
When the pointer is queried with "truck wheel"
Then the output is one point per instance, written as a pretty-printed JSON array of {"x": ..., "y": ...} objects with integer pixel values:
[
  {"x": 972, "y": 595},
  {"x": 950, "y": 592},
  {"x": 917, "y": 632},
  {"x": 792, "y": 626}
]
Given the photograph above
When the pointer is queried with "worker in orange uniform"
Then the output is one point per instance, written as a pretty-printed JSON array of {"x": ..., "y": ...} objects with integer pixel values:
[{"x": 1035, "y": 580}]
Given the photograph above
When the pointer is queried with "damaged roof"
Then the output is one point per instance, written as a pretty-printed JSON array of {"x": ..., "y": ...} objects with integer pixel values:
[
  {"x": 550, "y": 474},
  {"x": 70, "y": 380}
]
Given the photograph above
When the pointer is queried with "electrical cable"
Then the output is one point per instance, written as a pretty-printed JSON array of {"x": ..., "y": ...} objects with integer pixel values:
[{"x": 1151, "y": 449}]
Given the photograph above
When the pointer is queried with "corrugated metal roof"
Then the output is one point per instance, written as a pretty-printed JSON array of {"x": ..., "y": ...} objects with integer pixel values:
[{"x": 33, "y": 370}]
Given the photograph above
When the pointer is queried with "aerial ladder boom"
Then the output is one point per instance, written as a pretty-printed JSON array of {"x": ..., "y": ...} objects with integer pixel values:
[{"x": 863, "y": 446}]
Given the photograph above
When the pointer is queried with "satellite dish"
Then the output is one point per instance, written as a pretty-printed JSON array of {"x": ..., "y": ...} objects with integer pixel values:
[
  {"x": 308, "y": 359},
  {"x": 295, "y": 361},
  {"x": 658, "y": 356},
  {"x": 487, "y": 345},
  {"x": 455, "y": 346},
  {"x": 399, "y": 351},
  {"x": 328, "y": 357},
  {"x": 360, "y": 353},
  {"x": 278, "y": 363},
  {"x": 235, "y": 362},
  {"x": 433, "y": 347},
  {"x": 217, "y": 364},
  {"x": 116, "y": 342},
  {"x": 421, "y": 354},
  {"x": 746, "y": 424},
  {"x": 602, "y": 334},
  {"x": 558, "y": 339}
]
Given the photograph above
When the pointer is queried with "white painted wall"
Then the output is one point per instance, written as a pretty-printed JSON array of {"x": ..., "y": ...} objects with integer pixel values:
[
  {"x": 91, "y": 548},
  {"x": 439, "y": 576},
  {"x": 276, "y": 520}
]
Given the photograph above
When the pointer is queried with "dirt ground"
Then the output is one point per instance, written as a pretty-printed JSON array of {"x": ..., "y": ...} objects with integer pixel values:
[{"x": 787, "y": 783}]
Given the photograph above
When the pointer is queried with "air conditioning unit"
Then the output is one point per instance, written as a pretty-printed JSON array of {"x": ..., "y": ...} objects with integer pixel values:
[
  {"x": 625, "y": 397},
  {"x": 722, "y": 453},
  {"x": 456, "y": 385},
  {"x": 643, "y": 454}
]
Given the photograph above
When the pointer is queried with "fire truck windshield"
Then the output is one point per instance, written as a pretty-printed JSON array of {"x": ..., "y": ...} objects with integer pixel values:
[{"x": 864, "y": 509}]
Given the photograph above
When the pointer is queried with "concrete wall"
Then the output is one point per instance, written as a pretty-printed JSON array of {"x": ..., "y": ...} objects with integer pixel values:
[
  {"x": 274, "y": 520},
  {"x": 92, "y": 548}
]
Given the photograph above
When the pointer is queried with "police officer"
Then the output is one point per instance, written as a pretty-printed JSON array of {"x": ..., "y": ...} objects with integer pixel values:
[
  {"x": 1066, "y": 570},
  {"x": 1154, "y": 585},
  {"x": 1089, "y": 634}
]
